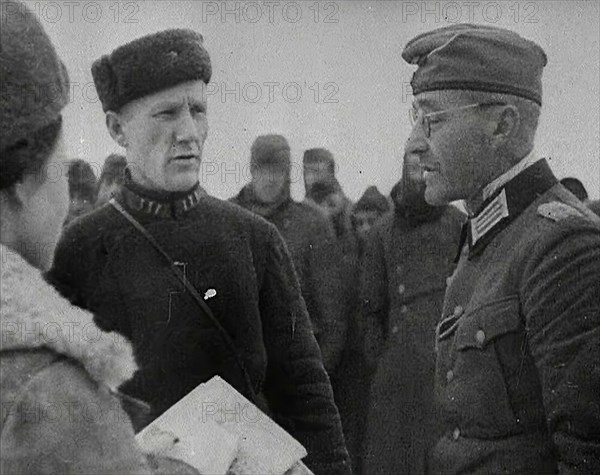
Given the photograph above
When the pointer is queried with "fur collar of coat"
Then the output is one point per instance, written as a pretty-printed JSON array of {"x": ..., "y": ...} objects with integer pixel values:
[{"x": 33, "y": 315}]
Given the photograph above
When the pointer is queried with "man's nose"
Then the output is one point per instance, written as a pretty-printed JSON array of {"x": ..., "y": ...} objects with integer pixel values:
[
  {"x": 187, "y": 128},
  {"x": 416, "y": 143}
]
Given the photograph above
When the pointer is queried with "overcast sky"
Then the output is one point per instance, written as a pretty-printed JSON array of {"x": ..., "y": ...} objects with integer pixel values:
[{"x": 329, "y": 74}]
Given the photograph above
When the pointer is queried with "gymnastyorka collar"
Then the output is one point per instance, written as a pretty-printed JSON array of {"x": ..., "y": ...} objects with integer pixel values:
[
  {"x": 163, "y": 204},
  {"x": 505, "y": 205}
]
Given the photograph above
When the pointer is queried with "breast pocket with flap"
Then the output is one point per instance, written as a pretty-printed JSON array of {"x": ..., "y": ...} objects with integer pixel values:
[{"x": 479, "y": 388}]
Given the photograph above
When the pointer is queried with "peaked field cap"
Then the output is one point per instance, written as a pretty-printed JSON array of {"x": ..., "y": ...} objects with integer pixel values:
[
  {"x": 270, "y": 149},
  {"x": 478, "y": 58},
  {"x": 150, "y": 64},
  {"x": 34, "y": 84}
]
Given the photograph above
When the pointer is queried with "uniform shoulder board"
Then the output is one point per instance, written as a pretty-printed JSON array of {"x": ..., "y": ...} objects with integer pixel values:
[{"x": 557, "y": 211}]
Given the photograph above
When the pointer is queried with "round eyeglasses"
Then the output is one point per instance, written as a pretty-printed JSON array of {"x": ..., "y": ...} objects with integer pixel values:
[{"x": 416, "y": 115}]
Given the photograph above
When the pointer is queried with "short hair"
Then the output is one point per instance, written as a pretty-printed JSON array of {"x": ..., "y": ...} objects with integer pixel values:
[
  {"x": 82, "y": 180},
  {"x": 28, "y": 155},
  {"x": 113, "y": 171},
  {"x": 576, "y": 187}
]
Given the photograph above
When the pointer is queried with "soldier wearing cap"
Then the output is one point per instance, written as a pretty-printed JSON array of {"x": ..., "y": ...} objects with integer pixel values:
[
  {"x": 309, "y": 238},
  {"x": 318, "y": 167},
  {"x": 200, "y": 286},
  {"x": 517, "y": 378},
  {"x": 111, "y": 178}
]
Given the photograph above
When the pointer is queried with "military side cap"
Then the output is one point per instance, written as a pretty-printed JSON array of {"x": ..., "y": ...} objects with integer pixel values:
[
  {"x": 34, "y": 85},
  {"x": 478, "y": 58},
  {"x": 270, "y": 149},
  {"x": 150, "y": 64}
]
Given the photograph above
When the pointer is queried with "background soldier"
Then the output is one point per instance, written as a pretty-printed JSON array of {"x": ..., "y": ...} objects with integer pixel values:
[
  {"x": 371, "y": 206},
  {"x": 517, "y": 346},
  {"x": 82, "y": 189},
  {"x": 111, "y": 178},
  {"x": 308, "y": 236},
  {"x": 409, "y": 254}
]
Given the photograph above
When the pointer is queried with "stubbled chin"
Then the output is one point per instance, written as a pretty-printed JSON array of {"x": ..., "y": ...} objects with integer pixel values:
[{"x": 182, "y": 181}]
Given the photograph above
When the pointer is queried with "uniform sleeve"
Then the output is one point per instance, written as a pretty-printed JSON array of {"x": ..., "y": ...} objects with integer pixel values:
[
  {"x": 561, "y": 302},
  {"x": 325, "y": 292},
  {"x": 297, "y": 387},
  {"x": 65, "y": 424},
  {"x": 374, "y": 297}
]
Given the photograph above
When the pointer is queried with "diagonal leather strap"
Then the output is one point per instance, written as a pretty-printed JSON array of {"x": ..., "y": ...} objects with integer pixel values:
[{"x": 191, "y": 289}]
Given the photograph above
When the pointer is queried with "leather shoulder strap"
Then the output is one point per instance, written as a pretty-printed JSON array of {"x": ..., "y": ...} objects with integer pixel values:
[{"x": 190, "y": 288}]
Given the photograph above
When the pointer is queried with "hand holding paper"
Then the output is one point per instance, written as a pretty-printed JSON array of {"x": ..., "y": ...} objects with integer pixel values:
[{"x": 218, "y": 431}]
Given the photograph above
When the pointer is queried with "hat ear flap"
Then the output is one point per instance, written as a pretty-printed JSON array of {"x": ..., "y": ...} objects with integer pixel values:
[{"x": 105, "y": 80}]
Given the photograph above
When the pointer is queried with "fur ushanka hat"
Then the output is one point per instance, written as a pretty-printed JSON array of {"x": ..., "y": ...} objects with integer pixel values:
[
  {"x": 34, "y": 84},
  {"x": 150, "y": 64}
]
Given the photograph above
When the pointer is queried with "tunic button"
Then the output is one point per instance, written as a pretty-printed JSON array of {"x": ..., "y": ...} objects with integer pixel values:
[
  {"x": 401, "y": 289},
  {"x": 399, "y": 269},
  {"x": 403, "y": 309},
  {"x": 395, "y": 329},
  {"x": 480, "y": 336},
  {"x": 449, "y": 375},
  {"x": 448, "y": 280},
  {"x": 456, "y": 434},
  {"x": 458, "y": 311}
]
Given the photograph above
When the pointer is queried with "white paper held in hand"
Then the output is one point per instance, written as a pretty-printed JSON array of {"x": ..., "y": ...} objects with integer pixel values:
[{"x": 215, "y": 429}]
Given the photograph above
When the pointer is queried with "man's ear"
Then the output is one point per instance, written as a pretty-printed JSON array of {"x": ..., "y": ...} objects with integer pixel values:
[
  {"x": 114, "y": 124},
  {"x": 508, "y": 124},
  {"x": 19, "y": 194},
  {"x": 252, "y": 171}
]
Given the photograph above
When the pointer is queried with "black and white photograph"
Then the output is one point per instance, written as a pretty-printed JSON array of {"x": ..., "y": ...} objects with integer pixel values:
[{"x": 299, "y": 237}]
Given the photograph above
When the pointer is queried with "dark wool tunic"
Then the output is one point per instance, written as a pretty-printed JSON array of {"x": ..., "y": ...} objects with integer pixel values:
[
  {"x": 104, "y": 264},
  {"x": 405, "y": 267},
  {"x": 518, "y": 361}
]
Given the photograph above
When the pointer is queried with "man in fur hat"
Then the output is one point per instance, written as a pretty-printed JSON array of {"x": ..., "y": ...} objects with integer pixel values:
[
  {"x": 200, "y": 286},
  {"x": 517, "y": 379},
  {"x": 307, "y": 234},
  {"x": 319, "y": 167},
  {"x": 111, "y": 179},
  {"x": 371, "y": 206}
]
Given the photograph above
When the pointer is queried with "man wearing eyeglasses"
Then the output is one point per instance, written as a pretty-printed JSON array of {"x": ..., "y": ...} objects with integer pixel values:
[{"x": 518, "y": 353}]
